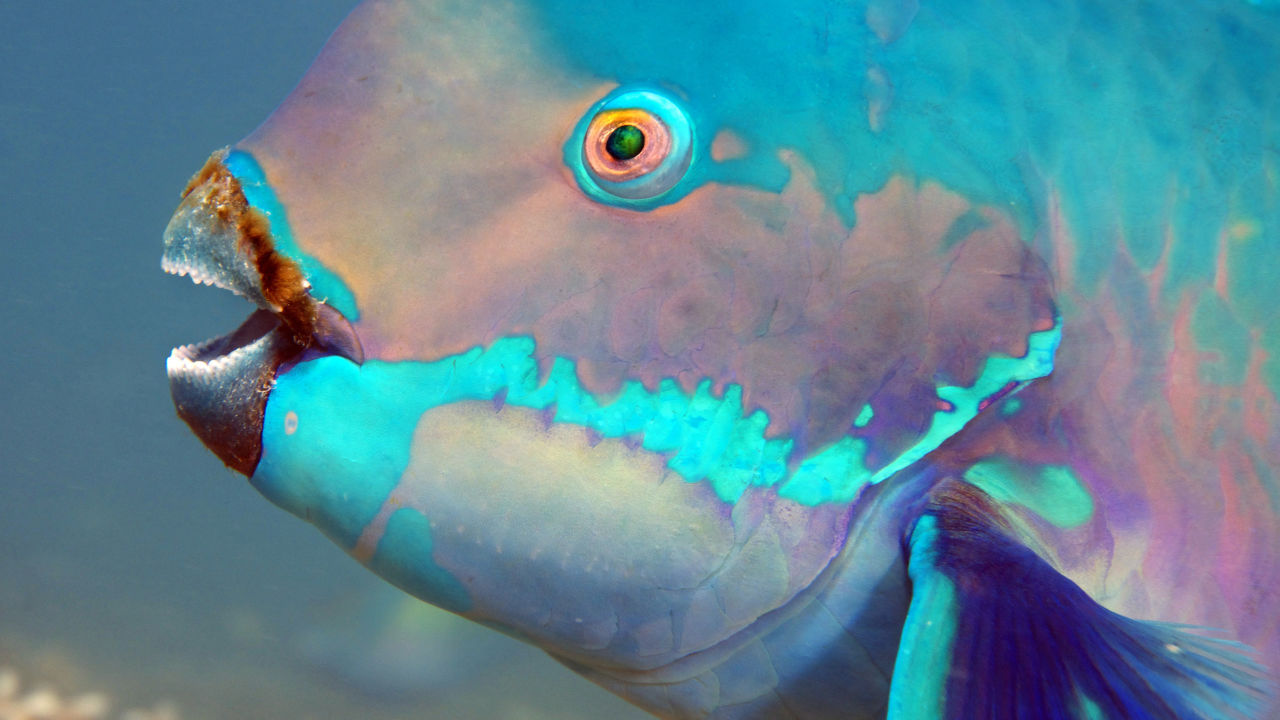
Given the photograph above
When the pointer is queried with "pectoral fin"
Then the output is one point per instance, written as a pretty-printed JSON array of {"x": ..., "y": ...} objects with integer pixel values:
[{"x": 994, "y": 632}]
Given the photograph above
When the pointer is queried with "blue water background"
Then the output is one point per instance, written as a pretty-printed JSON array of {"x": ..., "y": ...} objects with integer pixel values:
[{"x": 131, "y": 562}]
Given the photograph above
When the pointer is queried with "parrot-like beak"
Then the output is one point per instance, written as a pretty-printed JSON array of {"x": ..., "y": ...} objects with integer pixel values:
[{"x": 220, "y": 386}]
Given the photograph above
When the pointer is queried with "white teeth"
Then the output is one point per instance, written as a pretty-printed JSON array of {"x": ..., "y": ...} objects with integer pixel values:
[
  {"x": 197, "y": 275},
  {"x": 199, "y": 244},
  {"x": 184, "y": 362}
]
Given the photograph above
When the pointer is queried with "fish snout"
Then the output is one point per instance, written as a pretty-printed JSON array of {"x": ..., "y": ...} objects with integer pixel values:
[{"x": 220, "y": 386}]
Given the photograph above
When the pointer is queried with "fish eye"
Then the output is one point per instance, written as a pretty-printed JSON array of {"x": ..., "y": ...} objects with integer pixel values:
[
  {"x": 634, "y": 146},
  {"x": 625, "y": 142}
]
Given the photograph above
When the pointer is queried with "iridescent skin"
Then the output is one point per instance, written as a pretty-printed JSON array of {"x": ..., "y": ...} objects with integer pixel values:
[{"x": 885, "y": 200}]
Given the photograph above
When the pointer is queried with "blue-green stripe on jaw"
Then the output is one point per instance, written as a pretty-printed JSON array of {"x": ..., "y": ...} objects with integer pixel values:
[
  {"x": 331, "y": 426},
  {"x": 838, "y": 473}
]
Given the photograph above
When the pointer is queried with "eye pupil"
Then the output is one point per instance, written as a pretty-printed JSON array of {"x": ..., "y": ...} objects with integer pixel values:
[{"x": 625, "y": 142}]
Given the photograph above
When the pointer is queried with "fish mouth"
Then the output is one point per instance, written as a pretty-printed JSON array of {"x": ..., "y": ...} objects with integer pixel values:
[{"x": 220, "y": 386}]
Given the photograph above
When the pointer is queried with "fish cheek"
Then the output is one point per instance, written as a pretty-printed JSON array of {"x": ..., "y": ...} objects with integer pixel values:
[
  {"x": 570, "y": 539},
  {"x": 690, "y": 311}
]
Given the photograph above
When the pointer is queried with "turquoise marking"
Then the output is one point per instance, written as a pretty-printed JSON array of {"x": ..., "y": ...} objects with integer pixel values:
[
  {"x": 834, "y": 474},
  {"x": 361, "y": 421},
  {"x": 404, "y": 559},
  {"x": 1053, "y": 492},
  {"x": 996, "y": 374},
  {"x": 326, "y": 286},
  {"x": 918, "y": 690},
  {"x": 864, "y": 417},
  {"x": 839, "y": 472},
  {"x": 1010, "y": 406},
  {"x": 339, "y": 486}
]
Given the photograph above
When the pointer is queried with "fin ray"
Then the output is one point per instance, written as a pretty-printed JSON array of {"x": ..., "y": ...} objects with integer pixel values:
[{"x": 1020, "y": 640}]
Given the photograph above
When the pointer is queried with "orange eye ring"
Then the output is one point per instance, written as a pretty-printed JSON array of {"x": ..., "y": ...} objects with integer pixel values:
[
  {"x": 604, "y": 166},
  {"x": 632, "y": 149}
]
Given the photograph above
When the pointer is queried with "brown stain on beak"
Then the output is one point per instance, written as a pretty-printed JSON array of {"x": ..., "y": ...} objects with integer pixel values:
[{"x": 283, "y": 282}]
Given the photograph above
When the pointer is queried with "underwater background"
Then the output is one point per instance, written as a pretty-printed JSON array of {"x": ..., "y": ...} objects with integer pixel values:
[{"x": 131, "y": 563}]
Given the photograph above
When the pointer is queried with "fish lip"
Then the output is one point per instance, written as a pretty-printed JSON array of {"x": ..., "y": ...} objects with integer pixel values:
[{"x": 220, "y": 386}]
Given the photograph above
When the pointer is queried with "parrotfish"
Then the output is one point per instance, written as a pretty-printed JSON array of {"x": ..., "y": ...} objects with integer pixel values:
[{"x": 757, "y": 360}]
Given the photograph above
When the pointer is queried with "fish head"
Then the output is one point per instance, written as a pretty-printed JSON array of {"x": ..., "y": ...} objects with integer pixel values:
[{"x": 596, "y": 355}]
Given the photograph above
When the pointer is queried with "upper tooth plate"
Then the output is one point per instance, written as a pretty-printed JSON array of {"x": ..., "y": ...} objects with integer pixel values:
[{"x": 203, "y": 240}]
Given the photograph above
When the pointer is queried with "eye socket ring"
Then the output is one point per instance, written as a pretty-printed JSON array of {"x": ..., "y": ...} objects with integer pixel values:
[
  {"x": 600, "y": 159},
  {"x": 606, "y": 166}
]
